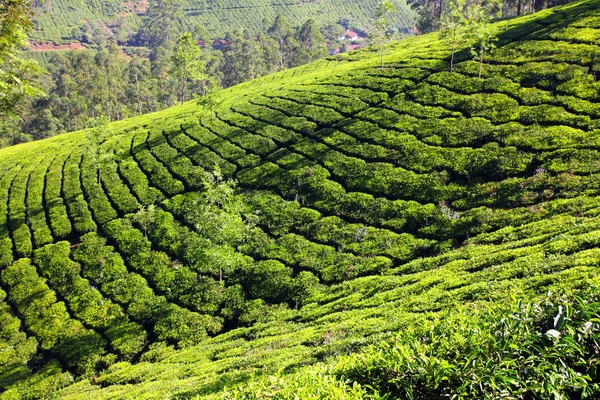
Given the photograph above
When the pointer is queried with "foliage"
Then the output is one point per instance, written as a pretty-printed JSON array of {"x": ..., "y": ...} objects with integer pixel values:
[
  {"x": 17, "y": 75},
  {"x": 332, "y": 230},
  {"x": 186, "y": 63},
  {"x": 381, "y": 34}
]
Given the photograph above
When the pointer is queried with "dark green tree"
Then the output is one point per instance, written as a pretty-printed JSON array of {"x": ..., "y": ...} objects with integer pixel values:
[
  {"x": 17, "y": 75},
  {"x": 186, "y": 65},
  {"x": 281, "y": 31},
  {"x": 382, "y": 31},
  {"x": 162, "y": 23},
  {"x": 311, "y": 43}
]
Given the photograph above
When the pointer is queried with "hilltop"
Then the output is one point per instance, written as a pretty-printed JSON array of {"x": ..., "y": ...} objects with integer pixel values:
[{"x": 320, "y": 231}]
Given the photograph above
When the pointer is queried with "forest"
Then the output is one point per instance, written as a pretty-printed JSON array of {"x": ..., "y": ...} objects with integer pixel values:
[{"x": 105, "y": 82}]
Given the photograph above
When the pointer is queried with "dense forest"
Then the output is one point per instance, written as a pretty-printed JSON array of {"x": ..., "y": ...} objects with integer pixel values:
[{"x": 83, "y": 85}]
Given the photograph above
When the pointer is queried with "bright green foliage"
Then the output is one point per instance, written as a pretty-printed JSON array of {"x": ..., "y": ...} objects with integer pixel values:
[
  {"x": 17, "y": 75},
  {"x": 382, "y": 31},
  {"x": 186, "y": 63},
  {"x": 452, "y": 25},
  {"x": 479, "y": 16},
  {"x": 331, "y": 231}
]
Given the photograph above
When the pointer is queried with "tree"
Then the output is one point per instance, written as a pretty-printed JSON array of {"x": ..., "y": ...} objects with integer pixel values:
[
  {"x": 452, "y": 24},
  {"x": 312, "y": 44},
  {"x": 281, "y": 31},
  {"x": 162, "y": 22},
  {"x": 145, "y": 218},
  {"x": 186, "y": 64},
  {"x": 98, "y": 130},
  {"x": 211, "y": 99},
  {"x": 382, "y": 33},
  {"x": 479, "y": 16},
  {"x": 17, "y": 76}
]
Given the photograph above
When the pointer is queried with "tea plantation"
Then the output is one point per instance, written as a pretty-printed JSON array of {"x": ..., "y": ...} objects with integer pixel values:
[
  {"x": 335, "y": 231},
  {"x": 56, "y": 19}
]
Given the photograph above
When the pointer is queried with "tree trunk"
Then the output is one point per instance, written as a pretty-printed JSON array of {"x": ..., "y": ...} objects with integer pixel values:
[
  {"x": 281, "y": 52},
  {"x": 480, "y": 63},
  {"x": 183, "y": 84},
  {"x": 519, "y": 7},
  {"x": 137, "y": 86}
]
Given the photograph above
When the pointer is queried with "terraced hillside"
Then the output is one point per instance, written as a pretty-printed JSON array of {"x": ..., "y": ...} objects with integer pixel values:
[
  {"x": 369, "y": 201},
  {"x": 56, "y": 19}
]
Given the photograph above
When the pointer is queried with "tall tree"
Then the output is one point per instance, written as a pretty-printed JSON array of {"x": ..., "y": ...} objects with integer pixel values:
[
  {"x": 162, "y": 22},
  {"x": 479, "y": 17},
  {"x": 312, "y": 44},
  {"x": 281, "y": 31},
  {"x": 186, "y": 63},
  {"x": 97, "y": 132},
  {"x": 381, "y": 33},
  {"x": 453, "y": 22},
  {"x": 17, "y": 76}
]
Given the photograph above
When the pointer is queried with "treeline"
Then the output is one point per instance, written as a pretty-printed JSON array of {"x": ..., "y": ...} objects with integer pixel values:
[
  {"x": 82, "y": 85},
  {"x": 430, "y": 13}
]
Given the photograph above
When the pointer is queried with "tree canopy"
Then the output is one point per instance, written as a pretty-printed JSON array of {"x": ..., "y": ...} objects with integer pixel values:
[{"x": 16, "y": 74}]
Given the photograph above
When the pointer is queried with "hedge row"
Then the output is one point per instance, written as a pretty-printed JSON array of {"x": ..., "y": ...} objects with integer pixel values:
[
  {"x": 341, "y": 104},
  {"x": 161, "y": 177},
  {"x": 116, "y": 190},
  {"x": 275, "y": 133},
  {"x": 200, "y": 155},
  {"x": 281, "y": 217},
  {"x": 375, "y": 83},
  {"x": 36, "y": 214},
  {"x": 365, "y": 95},
  {"x": 78, "y": 348},
  {"x": 87, "y": 303},
  {"x": 322, "y": 116},
  {"x": 18, "y": 211},
  {"x": 78, "y": 208},
  {"x": 6, "y": 245},
  {"x": 174, "y": 280},
  {"x": 169, "y": 322},
  {"x": 215, "y": 250},
  {"x": 529, "y": 74},
  {"x": 224, "y": 148},
  {"x": 402, "y": 72},
  {"x": 133, "y": 176},
  {"x": 253, "y": 143},
  {"x": 18, "y": 349},
  {"x": 177, "y": 163},
  {"x": 262, "y": 113},
  {"x": 55, "y": 205},
  {"x": 91, "y": 180},
  {"x": 544, "y": 51}
]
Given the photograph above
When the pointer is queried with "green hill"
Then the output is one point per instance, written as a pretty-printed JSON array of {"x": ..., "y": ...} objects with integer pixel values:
[
  {"x": 55, "y": 20},
  {"x": 384, "y": 227}
]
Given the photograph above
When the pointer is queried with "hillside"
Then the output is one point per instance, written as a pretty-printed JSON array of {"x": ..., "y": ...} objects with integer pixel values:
[
  {"x": 378, "y": 213},
  {"x": 56, "y": 19}
]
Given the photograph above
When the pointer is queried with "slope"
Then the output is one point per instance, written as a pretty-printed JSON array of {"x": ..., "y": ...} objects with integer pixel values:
[
  {"x": 368, "y": 201},
  {"x": 56, "y": 19}
]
